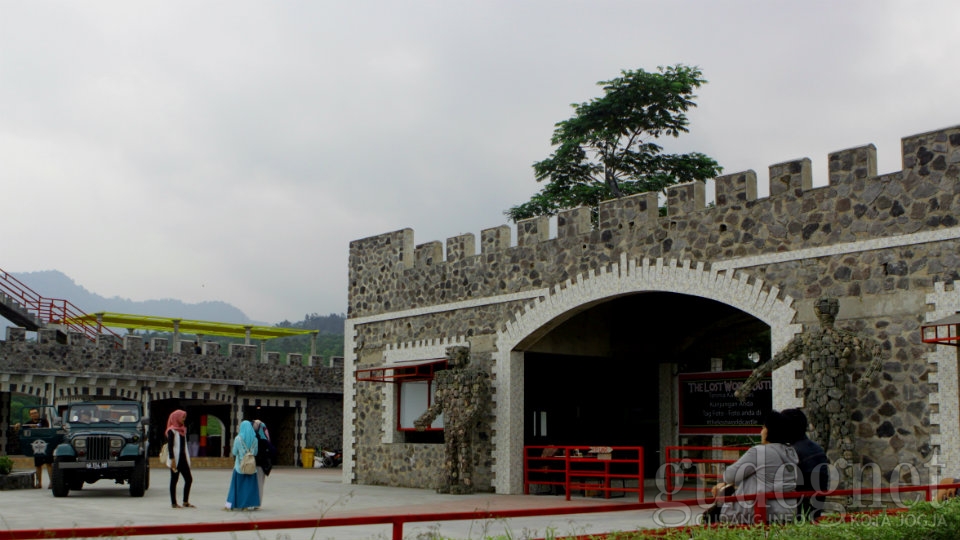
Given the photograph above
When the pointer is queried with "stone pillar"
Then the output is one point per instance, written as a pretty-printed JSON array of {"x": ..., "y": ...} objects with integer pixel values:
[
  {"x": 495, "y": 239},
  {"x": 176, "y": 335},
  {"x": 16, "y": 334},
  {"x": 790, "y": 177},
  {"x": 428, "y": 254},
  {"x": 735, "y": 189},
  {"x": 133, "y": 343},
  {"x": 573, "y": 222},
  {"x": 685, "y": 199},
  {"x": 461, "y": 247},
  {"x": 533, "y": 231}
]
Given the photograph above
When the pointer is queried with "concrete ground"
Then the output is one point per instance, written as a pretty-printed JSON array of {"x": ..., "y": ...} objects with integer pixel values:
[{"x": 311, "y": 493}]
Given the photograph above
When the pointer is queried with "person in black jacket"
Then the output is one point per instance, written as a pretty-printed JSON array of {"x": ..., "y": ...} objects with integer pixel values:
[
  {"x": 266, "y": 453},
  {"x": 42, "y": 457},
  {"x": 814, "y": 466},
  {"x": 178, "y": 459}
]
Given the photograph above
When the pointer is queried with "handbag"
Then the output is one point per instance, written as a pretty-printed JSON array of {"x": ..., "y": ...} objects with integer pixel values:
[
  {"x": 712, "y": 514},
  {"x": 164, "y": 454},
  {"x": 263, "y": 455},
  {"x": 248, "y": 465}
]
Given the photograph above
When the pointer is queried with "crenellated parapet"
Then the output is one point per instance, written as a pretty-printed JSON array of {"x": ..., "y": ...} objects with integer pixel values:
[
  {"x": 63, "y": 354},
  {"x": 388, "y": 273}
]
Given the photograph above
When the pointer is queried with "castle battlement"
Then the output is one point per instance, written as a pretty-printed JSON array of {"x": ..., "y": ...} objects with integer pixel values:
[{"x": 862, "y": 204}]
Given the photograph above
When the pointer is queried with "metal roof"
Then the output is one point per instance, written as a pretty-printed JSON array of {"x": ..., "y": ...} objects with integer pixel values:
[
  {"x": 417, "y": 370},
  {"x": 187, "y": 326},
  {"x": 945, "y": 331}
]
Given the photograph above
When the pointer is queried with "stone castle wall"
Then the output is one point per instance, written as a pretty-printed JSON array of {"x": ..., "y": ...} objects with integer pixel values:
[
  {"x": 879, "y": 243},
  {"x": 60, "y": 368},
  {"x": 81, "y": 356}
]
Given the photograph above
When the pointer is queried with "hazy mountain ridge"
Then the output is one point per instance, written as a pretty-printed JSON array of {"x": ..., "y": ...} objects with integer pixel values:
[{"x": 56, "y": 284}]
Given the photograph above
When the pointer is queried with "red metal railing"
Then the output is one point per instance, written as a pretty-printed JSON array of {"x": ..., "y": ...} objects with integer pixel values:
[
  {"x": 706, "y": 470},
  {"x": 397, "y": 521},
  {"x": 587, "y": 468},
  {"x": 49, "y": 310}
]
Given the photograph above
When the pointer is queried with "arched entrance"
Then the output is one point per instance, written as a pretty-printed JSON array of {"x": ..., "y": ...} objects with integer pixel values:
[
  {"x": 208, "y": 430},
  {"x": 592, "y": 315},
  {"x": 596, "y": 378}
]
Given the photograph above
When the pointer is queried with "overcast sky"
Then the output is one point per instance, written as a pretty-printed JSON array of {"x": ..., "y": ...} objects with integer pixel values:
[{"x": 231, "y": 150}]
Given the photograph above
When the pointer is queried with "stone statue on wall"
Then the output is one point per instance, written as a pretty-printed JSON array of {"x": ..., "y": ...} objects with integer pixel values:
[
  {"x": 828, "y": 355},
  {"x": 461, "y": 395}
]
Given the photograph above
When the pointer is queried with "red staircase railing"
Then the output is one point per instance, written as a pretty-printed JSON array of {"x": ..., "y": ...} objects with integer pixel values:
[{"x": 49, "y": 310}]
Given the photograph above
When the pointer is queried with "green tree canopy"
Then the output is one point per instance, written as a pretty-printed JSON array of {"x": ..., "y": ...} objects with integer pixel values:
[{"x": 605, "y": 149}]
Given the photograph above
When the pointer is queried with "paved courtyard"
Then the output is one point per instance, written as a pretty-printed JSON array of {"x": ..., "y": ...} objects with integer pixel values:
[{"x": 305, "y": 493}]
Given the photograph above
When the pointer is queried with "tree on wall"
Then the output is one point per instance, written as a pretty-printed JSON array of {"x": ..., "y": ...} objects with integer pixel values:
[{"x": 605, "y": 149}]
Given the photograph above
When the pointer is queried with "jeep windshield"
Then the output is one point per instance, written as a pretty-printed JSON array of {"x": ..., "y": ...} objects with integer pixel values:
[{"x": 110, "y": 413}]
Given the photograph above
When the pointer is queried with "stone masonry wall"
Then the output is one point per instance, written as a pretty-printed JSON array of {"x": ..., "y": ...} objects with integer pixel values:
[
  {"x": 878, "y": 243},
  {"x": 82, "y": 368},
  {"x": 86, "y": 357}
]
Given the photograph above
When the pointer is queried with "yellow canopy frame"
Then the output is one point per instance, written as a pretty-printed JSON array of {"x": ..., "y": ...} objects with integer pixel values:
[{"x": 187, "y": 326}]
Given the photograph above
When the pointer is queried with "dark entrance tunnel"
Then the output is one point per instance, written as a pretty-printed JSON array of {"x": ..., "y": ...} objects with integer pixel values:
[{"x": 595, "y": 379}]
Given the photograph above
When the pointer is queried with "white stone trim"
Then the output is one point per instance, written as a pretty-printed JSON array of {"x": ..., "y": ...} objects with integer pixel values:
[
  {"x": 626, "y": 277},
  {"x": 440, "y": 308},
  {"x": 349, "y": 400},
  {"x": 945, "y": 396},
  {"x": 939, "y": 235},
  {"x": 422, "y": 349}
]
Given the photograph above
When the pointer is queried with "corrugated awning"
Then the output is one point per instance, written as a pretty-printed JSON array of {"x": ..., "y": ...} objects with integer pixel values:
[
  {"x": 416, "y": 370},
  {"x": 945, "y": 331},
  {"x": 186, "y": 326}
]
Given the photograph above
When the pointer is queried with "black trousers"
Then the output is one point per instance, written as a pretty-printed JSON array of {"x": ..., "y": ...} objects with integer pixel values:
[{"x": 184, "y": 470}]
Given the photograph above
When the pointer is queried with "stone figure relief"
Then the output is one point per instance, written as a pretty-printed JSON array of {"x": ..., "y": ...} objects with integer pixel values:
[
  {"x": 462, "y": 395},
  {"x": 828, "y": 356}
]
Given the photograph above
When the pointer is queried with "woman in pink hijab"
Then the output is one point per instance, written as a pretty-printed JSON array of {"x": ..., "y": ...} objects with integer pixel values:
[{"x": 178, "y": 459}]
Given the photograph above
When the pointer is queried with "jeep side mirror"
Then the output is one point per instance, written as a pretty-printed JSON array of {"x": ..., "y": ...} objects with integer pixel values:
[{"x": 145, "y": 421}]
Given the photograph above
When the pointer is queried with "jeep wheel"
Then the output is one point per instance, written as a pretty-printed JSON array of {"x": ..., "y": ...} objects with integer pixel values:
[
  {"x": 75, "y": 483},
  {"x": 146, "y": 482},
  {"x": 60, "y": 487},
  {"x": 138, "y": 479}
]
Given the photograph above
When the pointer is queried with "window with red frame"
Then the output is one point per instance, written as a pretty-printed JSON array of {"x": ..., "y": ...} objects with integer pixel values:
[{"x": 416, "y": 389}]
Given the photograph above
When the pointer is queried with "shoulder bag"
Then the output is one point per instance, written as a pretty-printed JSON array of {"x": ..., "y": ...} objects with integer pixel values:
[
  {"x": 248, "y": 465},
  {"x": 164, "y": 454}
]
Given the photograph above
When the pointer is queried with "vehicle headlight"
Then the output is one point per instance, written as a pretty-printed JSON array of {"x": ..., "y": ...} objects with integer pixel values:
[
  {"x": 79, "y": 443},
  {"x": 116, "y": 443}
]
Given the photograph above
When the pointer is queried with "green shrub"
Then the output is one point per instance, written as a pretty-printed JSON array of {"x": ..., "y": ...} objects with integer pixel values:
[
  {"x": 6, "y": 465},
  {"x": 926, "y": 521}
]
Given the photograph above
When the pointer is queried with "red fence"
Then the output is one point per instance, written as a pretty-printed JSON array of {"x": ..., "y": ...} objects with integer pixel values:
[
  {"x": 397, "y": 521},
  {"x": 48, "y": 310},
  {"x": 604, "y": 470},
  {"x": 706, "y": 470}
]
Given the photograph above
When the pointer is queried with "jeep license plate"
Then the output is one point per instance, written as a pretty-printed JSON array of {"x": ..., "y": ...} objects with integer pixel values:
[{"x": 97, "y": 465}]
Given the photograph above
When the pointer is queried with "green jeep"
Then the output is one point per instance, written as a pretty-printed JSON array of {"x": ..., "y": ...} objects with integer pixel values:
[{"x": 103, "y": 439}]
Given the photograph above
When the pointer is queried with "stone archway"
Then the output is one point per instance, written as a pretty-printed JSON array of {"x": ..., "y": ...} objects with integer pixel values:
[{"x": 629, "y": 276}]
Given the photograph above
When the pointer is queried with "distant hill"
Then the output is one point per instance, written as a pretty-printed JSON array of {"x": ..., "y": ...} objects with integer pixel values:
[{"x": 55, "y": 284}]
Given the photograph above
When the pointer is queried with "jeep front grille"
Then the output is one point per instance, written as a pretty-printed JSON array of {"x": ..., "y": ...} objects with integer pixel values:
[{"x": 98, "y": 448}]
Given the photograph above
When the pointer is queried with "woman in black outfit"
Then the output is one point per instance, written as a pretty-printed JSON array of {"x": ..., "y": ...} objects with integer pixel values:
[{"x": 178, "y": 459}]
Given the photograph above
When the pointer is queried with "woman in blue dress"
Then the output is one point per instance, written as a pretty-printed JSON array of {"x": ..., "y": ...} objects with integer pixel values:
[{"x": 244, "y": 492}]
